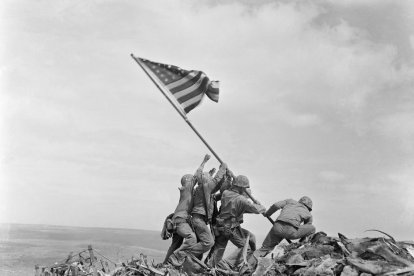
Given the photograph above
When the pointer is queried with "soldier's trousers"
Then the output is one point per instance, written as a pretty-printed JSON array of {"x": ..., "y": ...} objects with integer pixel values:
[
  {"x": 280, "y": 231},
  {"x": 183, "y": 239},
  {"x": 237, "y": 236},
  {"x": 177, "y": 241},
  {"x": 203, "y": 233}
]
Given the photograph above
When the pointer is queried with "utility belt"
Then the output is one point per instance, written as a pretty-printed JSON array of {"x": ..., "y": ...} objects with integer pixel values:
[
  {"x": 231, "y": 222},
  {"x": 225, "y": 226},
  {"x": 172, "y": 224},
  {"x": 285, "y": 223}
]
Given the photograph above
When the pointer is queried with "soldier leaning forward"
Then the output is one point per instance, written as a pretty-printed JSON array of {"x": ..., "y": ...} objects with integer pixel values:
[{"x": 294, "y": 222}]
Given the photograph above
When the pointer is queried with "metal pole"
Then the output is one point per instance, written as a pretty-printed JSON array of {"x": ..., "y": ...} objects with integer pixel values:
[
  {"x": 257, "y": 202},
  {"x": 204, "y": 141}
]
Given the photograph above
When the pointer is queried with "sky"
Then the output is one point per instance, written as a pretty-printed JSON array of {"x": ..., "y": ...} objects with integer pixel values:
[{"x": 316, "y": 99}]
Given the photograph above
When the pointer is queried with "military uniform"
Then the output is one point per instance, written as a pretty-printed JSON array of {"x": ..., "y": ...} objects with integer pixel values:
[
  {"x": 288, "y": 225},
  {"x": 233, "y": 206},
  {"x": 203, "y": 200},
  {"x": 183, "y": 235}
]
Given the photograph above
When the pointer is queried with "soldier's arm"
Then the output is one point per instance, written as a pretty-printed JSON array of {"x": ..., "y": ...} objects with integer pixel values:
[
  {"x": 220, "y": 174},
  {"x": 276, "y": 206},
  {"x": 308, "y": 220},
  {"x": 207, "y": 197},
  {"x": 199, "y": 173},
  {"x": 253, "y": 208},
  {"x": 218, "y": 178}
]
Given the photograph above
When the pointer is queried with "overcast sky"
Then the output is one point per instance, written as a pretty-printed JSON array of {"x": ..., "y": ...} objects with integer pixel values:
[{"x": 316, "y": 99}]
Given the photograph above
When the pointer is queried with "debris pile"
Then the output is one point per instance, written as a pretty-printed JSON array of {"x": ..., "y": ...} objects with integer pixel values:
[
  {"x": 319, "y": 254},
  {"x": 324, "y": 255}
]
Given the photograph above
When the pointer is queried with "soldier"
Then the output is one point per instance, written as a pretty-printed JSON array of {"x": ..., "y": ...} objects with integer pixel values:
[
  {"x": 233, "y": 205},
  {"x": 288, "y": 224},
  {"x": 183, "y": 236},
  {"x": 203, "y": 208},
  {"x": 225, "y": 185}
]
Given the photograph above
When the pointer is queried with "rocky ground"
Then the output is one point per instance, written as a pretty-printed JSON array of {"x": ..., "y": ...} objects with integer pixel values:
[{"x": 318, "y": 255}]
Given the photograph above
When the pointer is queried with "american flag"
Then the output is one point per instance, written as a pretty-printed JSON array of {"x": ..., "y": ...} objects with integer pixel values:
[{"x": 187, "y": 87}]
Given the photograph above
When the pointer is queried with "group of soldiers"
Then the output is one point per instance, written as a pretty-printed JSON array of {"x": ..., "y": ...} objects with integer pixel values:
[{"x": 197, "y": 226}]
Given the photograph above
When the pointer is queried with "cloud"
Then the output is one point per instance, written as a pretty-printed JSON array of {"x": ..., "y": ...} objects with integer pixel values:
[
  {"x": 400, "y": 127},
  {"x": 331, "y": 176},
  {"x": 310, "y": 71},
  {"x": 403, "y": 180}
]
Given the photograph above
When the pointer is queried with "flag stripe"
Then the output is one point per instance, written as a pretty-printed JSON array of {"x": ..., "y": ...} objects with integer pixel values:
[
  {"x": 213, "y": 91},
  {"x": 187, "y": 84},
  {"x": 193, "y": 92},
  {"x": 194, "y": 87},
  {"x": 181, "y": 81},
  {"x": 191, "y": 107},
  {"x": 195, "y": 100}
]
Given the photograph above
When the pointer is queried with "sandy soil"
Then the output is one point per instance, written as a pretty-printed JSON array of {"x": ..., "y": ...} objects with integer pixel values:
[{"x": 23, "y": 246}]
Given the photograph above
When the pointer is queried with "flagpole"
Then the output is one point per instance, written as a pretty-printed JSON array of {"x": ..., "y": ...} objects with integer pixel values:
[{"x": 177, "y": 109}]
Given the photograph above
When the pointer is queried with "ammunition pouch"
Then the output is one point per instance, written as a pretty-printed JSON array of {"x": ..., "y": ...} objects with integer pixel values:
[
  {"x": 227, "y": 222},
  {"x": 177, "y": 221},
  {"x": 216, "y": 231},
  {"x": 225, "y": 227},
  {"x": 166, "y": 232},
  {"x": 227, "y": 232},
  {"x": 170, "y": 224},
  {"x": 221, "y": 222}
]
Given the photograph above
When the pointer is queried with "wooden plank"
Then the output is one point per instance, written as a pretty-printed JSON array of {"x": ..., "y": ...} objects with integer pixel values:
[{"x": 92, "y": 256}]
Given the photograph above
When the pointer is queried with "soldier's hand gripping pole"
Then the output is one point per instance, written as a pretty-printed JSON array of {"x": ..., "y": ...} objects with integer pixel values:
[
  {"x": 257, "y": 202},
  {"x": 252, "y": 198},
  {"x": 268, "y": 217}
]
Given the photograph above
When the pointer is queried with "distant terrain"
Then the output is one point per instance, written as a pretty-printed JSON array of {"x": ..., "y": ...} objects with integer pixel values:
[{"x": 22, "y": 246}]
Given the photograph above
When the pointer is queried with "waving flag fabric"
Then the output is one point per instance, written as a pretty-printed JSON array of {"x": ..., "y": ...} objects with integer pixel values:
[{"x": 187, "y": 87}]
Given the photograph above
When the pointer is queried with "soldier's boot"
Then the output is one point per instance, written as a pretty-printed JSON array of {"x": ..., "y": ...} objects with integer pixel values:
[{"x": 177, "y": 258}]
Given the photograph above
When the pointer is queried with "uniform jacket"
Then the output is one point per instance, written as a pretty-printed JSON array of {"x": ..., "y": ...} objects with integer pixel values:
[
  {"x": 185, "y": 203},
  {"x": 233, "y": 206},
  {"x": 292, "y": 212},
  {"x": 207, "y": 185}
]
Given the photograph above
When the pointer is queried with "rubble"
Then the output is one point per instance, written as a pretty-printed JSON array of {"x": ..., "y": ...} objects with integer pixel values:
[
  {"x": 324, "y": 255},
  {"x": 319, "y": 254}
]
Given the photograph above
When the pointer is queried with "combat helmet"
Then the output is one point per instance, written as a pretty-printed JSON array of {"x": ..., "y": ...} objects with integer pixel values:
[
  {"x": 306, "y": 201},
  {"x": 186, "y": 179},
  {"x": 241, "y": 181}
]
